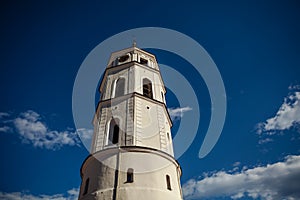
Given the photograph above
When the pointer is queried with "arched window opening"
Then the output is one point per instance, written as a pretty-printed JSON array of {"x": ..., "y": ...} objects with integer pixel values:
[
  {"x": 168, "y": 136},
  {"x": 120, "y": 87},
  {"x": 114, "y": 131},
  {"x": 162, "y": 97},
  {"x": 86, "y": 186},
  {"x": 168, "y": 182},
  {"x": 129, "y": 175},
  {"x": 147, "y": 88}
]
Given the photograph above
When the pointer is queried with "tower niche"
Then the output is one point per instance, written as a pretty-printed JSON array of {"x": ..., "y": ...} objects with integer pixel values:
[{"x": 132, "y": 153}]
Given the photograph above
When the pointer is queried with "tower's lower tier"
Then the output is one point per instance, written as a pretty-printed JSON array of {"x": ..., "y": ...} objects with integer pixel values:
[{"x": 130, "y": 173}]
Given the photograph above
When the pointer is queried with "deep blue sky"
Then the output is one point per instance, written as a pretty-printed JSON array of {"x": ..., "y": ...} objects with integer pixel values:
[{"x": 43, "y": 43}]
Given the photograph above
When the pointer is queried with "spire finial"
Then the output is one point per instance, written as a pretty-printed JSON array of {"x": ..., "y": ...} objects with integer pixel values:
[{"x": 134, "y": 43}]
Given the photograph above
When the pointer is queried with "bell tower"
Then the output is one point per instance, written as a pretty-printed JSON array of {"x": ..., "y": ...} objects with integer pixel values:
[{"x": 132, "y": 153}]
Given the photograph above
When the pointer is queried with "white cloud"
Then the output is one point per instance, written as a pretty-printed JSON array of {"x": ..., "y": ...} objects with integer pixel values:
[
  {"x": 32, "y": 130},
  {"x": 71, "y": 195},
  {"x": 287, "y": 117},
  {"x": 274, "y": 181},
  {"x": 176, "y": 113}
]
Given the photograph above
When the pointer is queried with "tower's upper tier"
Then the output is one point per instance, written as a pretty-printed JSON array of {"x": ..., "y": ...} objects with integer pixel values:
[{"x": 132, "y": 70}]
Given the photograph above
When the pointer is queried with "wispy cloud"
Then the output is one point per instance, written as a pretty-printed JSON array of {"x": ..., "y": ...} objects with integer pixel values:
[
  {"x": 265, "y": 140},
  {"x": 5, "y": 129},
  {"x": 176, "y": 113},
  {"x": 71, "y": 195},
  {"x": 4, "y": 114},
  {"x": 274, "y": 181},
  {"x": 33, "y": 130},
  {"x": 85, "y": 136},
  {"x": 3, "y": 118},
  {"x": 236, "y": 164}
]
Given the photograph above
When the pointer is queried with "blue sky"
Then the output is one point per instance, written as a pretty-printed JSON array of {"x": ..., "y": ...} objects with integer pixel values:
[{"x": 254, "y": 44}]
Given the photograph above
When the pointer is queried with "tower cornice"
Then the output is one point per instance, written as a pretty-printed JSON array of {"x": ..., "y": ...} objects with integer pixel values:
[
  {"x": 99, "y": 155},
  {"x": 115, "y": 54}
]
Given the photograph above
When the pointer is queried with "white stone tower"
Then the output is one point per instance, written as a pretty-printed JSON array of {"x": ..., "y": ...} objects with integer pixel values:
[{"x": 132, "y": 153}]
